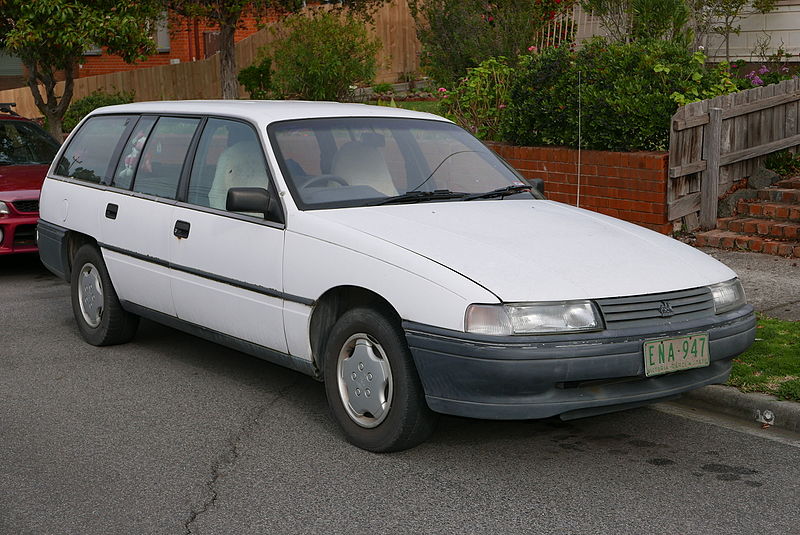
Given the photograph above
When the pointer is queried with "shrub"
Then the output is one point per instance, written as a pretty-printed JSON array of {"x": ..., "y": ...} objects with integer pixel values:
[
  {"x": 784, "y": 163},
  {"x": 257, "y": 79},
  {"x": 477, "y": 103},
  {"x": 626, "y": 95},
  {"x": 322, "y": 55},
  {"x": 99, "y": 98},
  {"x": 459, "y": 34},
  {"x": 380, "y": 89}
]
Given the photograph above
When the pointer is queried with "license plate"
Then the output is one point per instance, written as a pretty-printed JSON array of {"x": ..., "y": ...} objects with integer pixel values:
[{"x": 667, "y": 355}]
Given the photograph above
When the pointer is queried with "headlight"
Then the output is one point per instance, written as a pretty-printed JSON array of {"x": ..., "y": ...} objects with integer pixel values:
[
  {"x": 3, "y": 208},
  {"x": 728, "y": 295},
  {"x": 532, "y": 318}
]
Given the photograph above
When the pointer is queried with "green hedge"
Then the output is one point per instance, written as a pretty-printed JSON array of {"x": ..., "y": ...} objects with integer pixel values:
[{"x": 628, "y": 94}]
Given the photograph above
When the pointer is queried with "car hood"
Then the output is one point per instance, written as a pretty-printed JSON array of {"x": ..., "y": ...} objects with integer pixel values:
[
  {"x": 21, "y": 181},
  {"x": 530, "y": 250}
]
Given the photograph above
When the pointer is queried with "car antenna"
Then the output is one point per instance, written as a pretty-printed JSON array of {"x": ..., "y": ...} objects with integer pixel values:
[
  {"x": 6, "y": 107},
  {"x": 578, "y": 195}
]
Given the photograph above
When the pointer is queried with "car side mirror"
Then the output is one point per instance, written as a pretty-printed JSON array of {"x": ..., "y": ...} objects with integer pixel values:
[
  {"x": 253, "y": 200},
  {"x": 538, "y": 184}
]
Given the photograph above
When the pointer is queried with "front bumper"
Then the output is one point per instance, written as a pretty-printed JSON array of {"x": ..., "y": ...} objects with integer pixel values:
[
  {"x": 18, "y": 233},
  {"x": 524, "y": 377}
]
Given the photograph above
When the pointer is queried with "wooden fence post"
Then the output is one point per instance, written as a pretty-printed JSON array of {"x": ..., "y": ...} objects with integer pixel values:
[{"x": 709, "y": 183}]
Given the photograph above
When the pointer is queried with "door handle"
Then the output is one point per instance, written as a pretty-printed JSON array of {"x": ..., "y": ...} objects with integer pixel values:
[
  {"x": 111, "y": 211},
  {"x": 181, "y": 229}
]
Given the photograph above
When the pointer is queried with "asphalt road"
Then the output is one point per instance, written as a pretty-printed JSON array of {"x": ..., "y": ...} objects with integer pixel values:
[{"x": 170, "y": 434}]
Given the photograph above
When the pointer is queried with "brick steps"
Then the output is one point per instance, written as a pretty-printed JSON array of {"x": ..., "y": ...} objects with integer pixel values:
[
  {"x": 725, "y": 239},
  {"x": 772, "y": 210},
  {"x": 789, "y": 183},
  {"x": 789, "y": 195},
  {"x": 769, "y": 224}
]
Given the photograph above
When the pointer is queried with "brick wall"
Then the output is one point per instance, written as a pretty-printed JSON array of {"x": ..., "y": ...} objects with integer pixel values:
[
  {"x": 627, "y": 185},
  {"x": 186, "y": 43}
]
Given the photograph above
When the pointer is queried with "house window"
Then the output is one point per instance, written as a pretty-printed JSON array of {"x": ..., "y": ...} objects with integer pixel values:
[{"x": 162, "y": 34}]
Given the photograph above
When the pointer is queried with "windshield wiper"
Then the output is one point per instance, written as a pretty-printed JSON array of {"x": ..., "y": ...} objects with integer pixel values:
[
  {"x": 421, "y": 196},
  {"x": 499, "y": 192}
]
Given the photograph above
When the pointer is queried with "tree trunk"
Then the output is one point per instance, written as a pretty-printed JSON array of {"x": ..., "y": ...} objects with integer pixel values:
[
  {"x": 227, "y": 62},
  {"x": 54, "y": 107}
]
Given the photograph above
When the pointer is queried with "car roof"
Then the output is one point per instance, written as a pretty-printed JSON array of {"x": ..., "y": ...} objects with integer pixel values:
[
  {"x": 9, "y": 117},
  {"x": 267, "y": 111}
]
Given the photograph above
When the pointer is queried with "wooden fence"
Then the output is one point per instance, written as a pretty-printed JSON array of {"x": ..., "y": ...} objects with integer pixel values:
[
  {"x": 398, "y": 57},
  {"x": 717, "y": 142}
]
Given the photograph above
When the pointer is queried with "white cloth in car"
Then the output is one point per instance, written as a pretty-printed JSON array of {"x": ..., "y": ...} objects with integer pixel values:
[
  {"x": 363, "y": 165},
  {"x": 239, "y": 166}
]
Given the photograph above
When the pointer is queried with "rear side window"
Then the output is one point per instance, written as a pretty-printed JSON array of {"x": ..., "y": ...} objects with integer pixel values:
[
  {"x": 159, "y": 167},
  {"x": 88, "y": 155},
  {"x": 126, "y": 167}
]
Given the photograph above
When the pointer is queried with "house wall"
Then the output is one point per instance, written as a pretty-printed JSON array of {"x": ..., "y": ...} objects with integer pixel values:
[
  {"x": 627, "y": 185},
  {"x": 186, "y": 43},
  {"x": 780, "y": 28}
]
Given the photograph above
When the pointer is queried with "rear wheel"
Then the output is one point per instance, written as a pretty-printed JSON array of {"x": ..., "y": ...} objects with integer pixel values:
[
  {"x": 372, "y": 385},
  {"x": 100, "y": 317}
]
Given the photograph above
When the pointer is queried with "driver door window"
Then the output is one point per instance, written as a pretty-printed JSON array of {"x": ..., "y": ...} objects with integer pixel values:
[{"x": 229, "y": 156}]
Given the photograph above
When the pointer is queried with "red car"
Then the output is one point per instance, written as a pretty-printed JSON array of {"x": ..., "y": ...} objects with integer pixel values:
[{"x": 26, "y": 151}]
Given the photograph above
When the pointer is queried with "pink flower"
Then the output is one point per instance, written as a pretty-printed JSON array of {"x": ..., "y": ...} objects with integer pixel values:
[
  {"x": 532, "y": 48},
  {"x": 501, "y": 106},
  {"x": 442, "y": 90}
]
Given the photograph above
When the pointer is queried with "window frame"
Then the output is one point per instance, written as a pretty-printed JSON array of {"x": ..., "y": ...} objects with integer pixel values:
[
  {"x": 183, "y": 184},
  {"x": 417, "y": 158}
]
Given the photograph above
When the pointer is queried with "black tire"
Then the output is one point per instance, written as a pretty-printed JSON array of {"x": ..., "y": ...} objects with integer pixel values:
[
  {"x": 101, "y": 320},
  {"x": 407, "y": 421}
]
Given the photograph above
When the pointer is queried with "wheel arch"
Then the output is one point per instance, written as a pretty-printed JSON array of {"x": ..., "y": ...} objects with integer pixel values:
[
  {"x": 73, "y": 242},
  {"x": 332, "y": 304}
]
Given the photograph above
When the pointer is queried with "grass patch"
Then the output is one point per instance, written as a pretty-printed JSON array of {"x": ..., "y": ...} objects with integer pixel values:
[
  {"x": 772, "y": 364},
  {"x": 429, "y": 106}
]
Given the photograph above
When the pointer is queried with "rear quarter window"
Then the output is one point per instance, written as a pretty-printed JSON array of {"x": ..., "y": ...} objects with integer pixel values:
[{"x": 89, "y": 153}]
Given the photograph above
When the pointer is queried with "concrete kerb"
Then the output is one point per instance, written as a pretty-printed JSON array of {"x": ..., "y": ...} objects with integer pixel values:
[
  {"x": 753, "y": 407},
  {"x": 773, "y": 287}
]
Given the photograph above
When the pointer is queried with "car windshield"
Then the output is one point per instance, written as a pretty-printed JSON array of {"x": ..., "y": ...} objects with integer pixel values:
[
  {"x": 354, "y": 161},
  {"x": 24, "y": 143}
]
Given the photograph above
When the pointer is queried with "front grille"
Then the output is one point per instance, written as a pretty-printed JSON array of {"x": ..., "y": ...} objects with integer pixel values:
[
  {"x": 31, "y": 206},
  {"x": 25, "y": 236},
  {"x": 646, "y": 310}
]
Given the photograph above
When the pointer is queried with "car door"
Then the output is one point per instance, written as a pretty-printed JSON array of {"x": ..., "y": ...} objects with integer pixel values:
[
  {"x": 226, "y": 266},
  {"x": 138, "y": 210}
]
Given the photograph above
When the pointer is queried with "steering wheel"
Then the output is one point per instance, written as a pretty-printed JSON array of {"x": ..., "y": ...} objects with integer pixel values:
[{"x": 324, "y": 179}]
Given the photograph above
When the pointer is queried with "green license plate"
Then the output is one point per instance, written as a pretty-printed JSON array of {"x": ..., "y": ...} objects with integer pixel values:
[{"x": 667, "y": 355}]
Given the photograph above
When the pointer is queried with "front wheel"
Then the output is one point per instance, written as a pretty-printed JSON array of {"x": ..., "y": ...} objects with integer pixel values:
[
  {"x": 373, "y": 389},
  {"x": 100, "y": 317}
]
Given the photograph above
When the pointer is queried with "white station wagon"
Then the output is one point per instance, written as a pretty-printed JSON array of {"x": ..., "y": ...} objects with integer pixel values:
[{"x": 385, "y": 252}]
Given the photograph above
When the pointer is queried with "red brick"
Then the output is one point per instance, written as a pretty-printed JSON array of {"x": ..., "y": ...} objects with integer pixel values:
[
  {"x": 763, "y": 227},
  {"x": 742, "y": 243},
  {"x": 797, "y": 251},
  {"x": 727, "y": 242},
  {"x": 756, "y": 244},
  {"x": 770, "y": 247},
  {"x": 755, "y": 209},
  {"x": 785, "y": 249},
  {"x": 749, "y": 226},
  {"x": 782, "y": 212}
]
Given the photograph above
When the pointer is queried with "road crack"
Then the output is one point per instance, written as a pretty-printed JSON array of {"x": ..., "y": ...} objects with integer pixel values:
[{"x": 228, "y": 458}]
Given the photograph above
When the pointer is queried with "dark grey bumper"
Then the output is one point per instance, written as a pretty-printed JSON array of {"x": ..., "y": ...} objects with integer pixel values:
[
  {"x": 53, "y": 248},
  {"x": 540, "y": 376}
]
